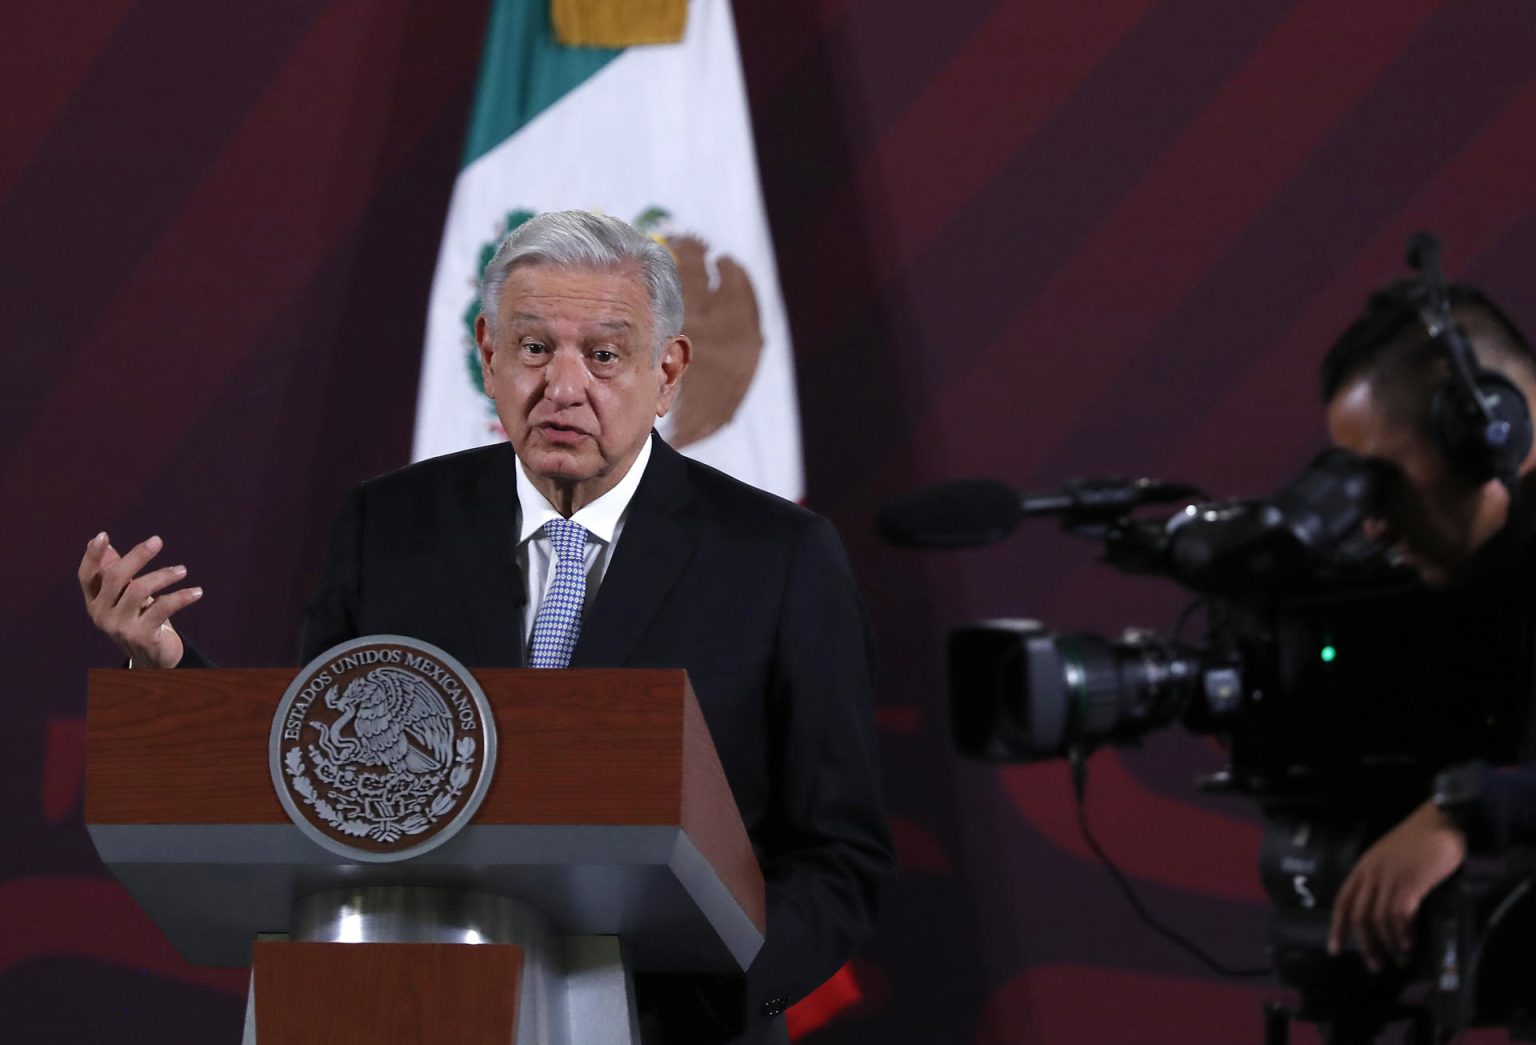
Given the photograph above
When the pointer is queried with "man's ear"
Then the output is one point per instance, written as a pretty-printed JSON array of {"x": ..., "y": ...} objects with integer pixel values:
[
  {"x": 675, "y": 357},
  {"x": 487, "y": 344}
]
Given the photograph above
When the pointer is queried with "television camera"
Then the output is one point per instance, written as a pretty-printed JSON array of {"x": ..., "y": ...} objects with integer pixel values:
[{"x": 1338, "y": 684}]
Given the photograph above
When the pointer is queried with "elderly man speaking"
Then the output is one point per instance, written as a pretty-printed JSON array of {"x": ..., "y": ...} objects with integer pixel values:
[{"x": 588, "y": 542}]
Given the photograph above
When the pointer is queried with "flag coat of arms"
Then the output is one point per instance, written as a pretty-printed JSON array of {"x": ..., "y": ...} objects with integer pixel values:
[{"x": 657, "y": 135}]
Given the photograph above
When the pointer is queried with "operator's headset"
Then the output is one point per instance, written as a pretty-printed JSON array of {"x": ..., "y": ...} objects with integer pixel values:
[{"x": 1479, "y": 417}]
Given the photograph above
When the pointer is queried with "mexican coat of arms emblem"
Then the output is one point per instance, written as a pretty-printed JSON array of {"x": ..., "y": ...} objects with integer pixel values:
[{"x": 382, "y": 748}]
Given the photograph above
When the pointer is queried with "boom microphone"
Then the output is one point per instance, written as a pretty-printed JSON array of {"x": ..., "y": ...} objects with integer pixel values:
[
  {"x": 960, "y": 513},
  {"x": 967, "y": 513}
]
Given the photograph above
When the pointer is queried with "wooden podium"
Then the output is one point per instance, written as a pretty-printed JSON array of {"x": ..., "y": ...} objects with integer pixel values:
[{"x": 607, "y": 843}]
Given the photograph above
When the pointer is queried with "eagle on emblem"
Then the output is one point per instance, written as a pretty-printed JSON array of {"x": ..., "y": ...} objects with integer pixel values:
[{"x": 398, "y": 720}]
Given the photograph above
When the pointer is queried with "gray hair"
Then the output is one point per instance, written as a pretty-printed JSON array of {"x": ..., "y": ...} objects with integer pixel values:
[{"x": 578, "y": 239}]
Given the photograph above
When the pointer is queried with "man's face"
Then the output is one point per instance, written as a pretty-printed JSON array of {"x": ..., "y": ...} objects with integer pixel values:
[
  {"x": 569, "y": 366},
  {"x": 1437, "y": 518}
]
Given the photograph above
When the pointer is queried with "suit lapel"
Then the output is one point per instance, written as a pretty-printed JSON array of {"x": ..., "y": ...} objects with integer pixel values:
[
  {"x": 483, "y": 551},
  {"x": 652, "y": 551}
]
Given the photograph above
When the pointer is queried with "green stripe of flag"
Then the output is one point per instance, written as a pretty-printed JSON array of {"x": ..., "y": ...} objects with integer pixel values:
[{"x": 523, "y": 72}]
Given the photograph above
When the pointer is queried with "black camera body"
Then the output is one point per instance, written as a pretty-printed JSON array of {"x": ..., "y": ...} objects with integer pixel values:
[{"x": 1347, "y": 680}]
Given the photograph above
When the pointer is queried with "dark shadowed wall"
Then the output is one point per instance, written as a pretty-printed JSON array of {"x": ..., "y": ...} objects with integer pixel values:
[{"x": 1029, "y": 239}]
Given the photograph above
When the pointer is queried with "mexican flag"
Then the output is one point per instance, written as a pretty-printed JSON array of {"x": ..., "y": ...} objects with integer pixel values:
[{"x": 660, "y": 136}]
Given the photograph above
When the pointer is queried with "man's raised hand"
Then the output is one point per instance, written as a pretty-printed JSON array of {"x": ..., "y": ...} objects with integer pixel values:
[{"x": 129, "y": 607}]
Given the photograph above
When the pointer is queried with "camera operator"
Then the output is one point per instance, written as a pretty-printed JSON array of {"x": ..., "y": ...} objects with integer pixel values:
[{"x": 1386, "y": 383}]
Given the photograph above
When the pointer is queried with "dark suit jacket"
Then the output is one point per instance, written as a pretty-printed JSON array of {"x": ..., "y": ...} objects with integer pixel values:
[{"x": 748, "y": 592}]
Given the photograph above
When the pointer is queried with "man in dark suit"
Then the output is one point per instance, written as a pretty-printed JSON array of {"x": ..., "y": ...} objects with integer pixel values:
[{"x": 589, "y": 542}]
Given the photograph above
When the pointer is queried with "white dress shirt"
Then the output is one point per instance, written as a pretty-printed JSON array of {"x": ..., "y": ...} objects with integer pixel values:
[{"x": 603, "y": 520}]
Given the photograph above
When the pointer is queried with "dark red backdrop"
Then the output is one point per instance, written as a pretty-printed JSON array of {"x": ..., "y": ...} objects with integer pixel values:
[{"x": 1022, "y": 238}]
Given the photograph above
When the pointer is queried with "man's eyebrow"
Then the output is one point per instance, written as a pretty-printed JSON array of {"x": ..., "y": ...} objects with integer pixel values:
[{"x": 601, "y": 324}]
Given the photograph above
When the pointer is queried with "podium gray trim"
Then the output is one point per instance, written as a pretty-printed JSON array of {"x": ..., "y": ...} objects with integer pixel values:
[{"x": 213, "y": 888}]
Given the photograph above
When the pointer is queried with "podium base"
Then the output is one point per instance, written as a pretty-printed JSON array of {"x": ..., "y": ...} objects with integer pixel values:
[{"x": 412, "y": 964}]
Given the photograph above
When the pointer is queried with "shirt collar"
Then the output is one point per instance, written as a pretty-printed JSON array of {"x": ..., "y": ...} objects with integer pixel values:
[{"x": 600, "y": 518}]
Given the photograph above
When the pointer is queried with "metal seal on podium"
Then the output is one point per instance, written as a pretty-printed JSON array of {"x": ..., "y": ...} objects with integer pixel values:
[{"x": 382, "y": 748}]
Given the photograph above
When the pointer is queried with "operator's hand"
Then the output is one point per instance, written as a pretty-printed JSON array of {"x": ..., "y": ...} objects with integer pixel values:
[
  {"x": 128, "y": 605},
  {"x": 1379, "y": 899}
]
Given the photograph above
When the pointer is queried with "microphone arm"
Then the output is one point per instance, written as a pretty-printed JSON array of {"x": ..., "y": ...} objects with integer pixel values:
[
  {"x": 968, "y": 513},
  {"x": 1092, "y": 500}
]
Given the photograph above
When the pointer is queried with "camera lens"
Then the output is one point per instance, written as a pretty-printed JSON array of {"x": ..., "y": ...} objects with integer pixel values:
[{"x": 1020, "y": 692}]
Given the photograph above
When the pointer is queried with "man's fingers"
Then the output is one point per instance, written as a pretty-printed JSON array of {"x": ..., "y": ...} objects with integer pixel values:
[
  {"x": 162, "y": 607},
  {"x": 1368, "y": 929},
  {"x": 99, "y": 557},
  {"x": 116, "y": 577},
  {"x": 1406, "y": 907},
  {"x": 141, "y": 590},
  {"x": 90, "y": 564},
  {"x": 137, "y": 595},
  {"x": 133, "y": 609},
  {"x": 1366, "y": 941},
  {"x": 1343, "y": 912},
  {"x": 1352, "y": 915},
  {"x": 1386, "y": 924}
]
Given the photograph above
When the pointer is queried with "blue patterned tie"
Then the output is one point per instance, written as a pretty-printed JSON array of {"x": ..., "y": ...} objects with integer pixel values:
[{"x": 558, "y": 622}]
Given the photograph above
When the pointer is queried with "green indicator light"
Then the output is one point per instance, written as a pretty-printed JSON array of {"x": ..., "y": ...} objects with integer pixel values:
[{"x": 1329, "y": 654}]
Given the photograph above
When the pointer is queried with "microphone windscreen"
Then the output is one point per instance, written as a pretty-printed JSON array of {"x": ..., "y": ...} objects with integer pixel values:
[{"x": 961, "y": 513}]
